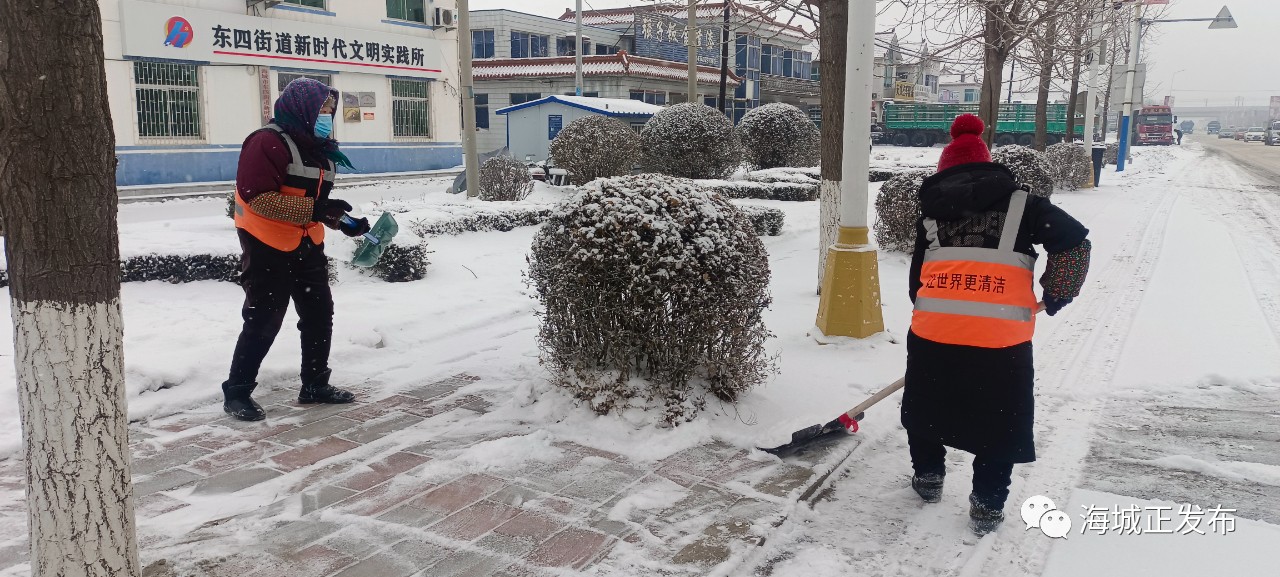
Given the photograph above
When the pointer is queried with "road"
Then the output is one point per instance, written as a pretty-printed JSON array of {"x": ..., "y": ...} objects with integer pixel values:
[{"x": 1262, "y": 160}]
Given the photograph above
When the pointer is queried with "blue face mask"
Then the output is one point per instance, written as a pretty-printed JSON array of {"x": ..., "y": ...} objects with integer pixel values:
[{"x": 324, "y": 125}]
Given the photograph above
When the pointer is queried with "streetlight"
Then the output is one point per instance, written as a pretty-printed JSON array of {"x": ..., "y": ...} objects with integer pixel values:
[
  {"x": 1172, "y": 80},
  {"x": 1222, "y": 20}
]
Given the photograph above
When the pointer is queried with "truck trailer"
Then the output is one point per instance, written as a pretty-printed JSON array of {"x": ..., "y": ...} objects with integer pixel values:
[{"x": 911, "y": 124}]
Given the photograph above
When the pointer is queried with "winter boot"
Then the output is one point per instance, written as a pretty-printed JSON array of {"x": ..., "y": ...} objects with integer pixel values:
[
  {"x": 982, "y": 518},
  {"x": 318, "y": 390},
  {"x": 238, "y": 404},
  {"x": 928, "y": 486}
]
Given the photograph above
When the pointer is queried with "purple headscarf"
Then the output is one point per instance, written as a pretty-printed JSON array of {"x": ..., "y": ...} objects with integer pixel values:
[{"x": 296, "y": 112}]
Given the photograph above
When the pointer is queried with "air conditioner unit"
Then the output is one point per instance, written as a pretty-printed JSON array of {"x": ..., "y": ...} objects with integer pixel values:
[{"x": 444, "y": 17}]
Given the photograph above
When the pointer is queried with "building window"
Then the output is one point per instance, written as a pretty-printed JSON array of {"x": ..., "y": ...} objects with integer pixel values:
[
  {"x": 766, "y": 59},
  {"x": 523, "y": 97},
  {"x": 568, "y": 46},
  {"x": 482, "y": 111},
  {"x": 308, "y": 3},
  {"x": 650, "y": 96},
  {"x": 788, "y": 63},
  {"x": 815, "y": 72},
  {"x": 637, "y": 126},
  {"x": 604, "y": 50},
  {"x": 412, "y": 10},
  {"x": 482, "y": 43},
  {"x": 526, "y": 45},
  {"x": 284, "y": 78},
  {"x": 168, "y": 100},
  {"x": 678, "y": 98},
  {"x": 410, "y": 108},
  {"x": 932, "y": 82},
  {"x": 971, "y": 95}
]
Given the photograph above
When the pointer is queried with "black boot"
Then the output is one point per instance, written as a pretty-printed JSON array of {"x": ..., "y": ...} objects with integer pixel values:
[
  {"x": 239, "y": 405},
  {"x": 983, "y": 518},
  {"x": 318, "y": 390},
  {"x": 928, "y": 486}
]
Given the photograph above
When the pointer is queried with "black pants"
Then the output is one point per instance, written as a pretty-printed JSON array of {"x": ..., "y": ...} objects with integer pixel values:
[
  {"x": 271, "y": 278},
  {"x": 990, "y": 478}
]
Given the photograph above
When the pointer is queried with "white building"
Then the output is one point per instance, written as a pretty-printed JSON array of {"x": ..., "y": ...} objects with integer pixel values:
[
  {"x": 959, "y": 88},
  {"x": 188, "y": 80},
  {"x": 533, "y": 125}
]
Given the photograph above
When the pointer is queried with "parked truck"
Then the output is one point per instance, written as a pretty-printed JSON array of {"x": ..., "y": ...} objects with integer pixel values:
[
  {"x": 930, "y": 124},
  {"x": 1155, "y": 126}
]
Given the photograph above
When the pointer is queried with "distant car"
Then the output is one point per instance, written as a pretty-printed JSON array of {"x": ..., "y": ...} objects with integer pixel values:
[
  {"x": 1239, "y": 135},
  {"x": 1229, "y": 132},
  {"x": 1255, "y": 134}
]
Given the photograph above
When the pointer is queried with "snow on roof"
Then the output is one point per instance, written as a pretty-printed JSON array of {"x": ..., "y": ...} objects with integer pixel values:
[
  {"x": 626, "y": 15},
  {"x": 605, "y": 106},
  {"x": 620, "y": 64}
]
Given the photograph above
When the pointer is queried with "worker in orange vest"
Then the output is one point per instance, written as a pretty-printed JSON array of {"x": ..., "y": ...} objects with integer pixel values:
[
  {"x": 969, "y": 380},
  {"x": 282, "y": 200}
]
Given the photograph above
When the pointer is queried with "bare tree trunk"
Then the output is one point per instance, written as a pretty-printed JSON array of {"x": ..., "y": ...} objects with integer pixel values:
[
  {"x": 1111, "y": 80},
  {"x": 994, "y": 56},
  {"x": 832, "y": 30},
  {"x": 1046, "y": 53},
  {"x": 1077, "y": 60},
  {"x": 57, "y": 173}
]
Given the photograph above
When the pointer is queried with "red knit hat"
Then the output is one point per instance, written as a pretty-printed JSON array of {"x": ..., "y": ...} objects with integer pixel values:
[{"x": 966, "y": 143}]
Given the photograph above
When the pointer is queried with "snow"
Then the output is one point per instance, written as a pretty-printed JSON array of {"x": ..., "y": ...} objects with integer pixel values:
[
  {"x": 611, "y": 106},
  {"x": 1159, "y": 386}
]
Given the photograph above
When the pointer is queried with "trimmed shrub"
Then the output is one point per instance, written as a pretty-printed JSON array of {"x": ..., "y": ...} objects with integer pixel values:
[
  {"x": 1028, "y": 165},
  {"x": 779, "y": 134},
  {"x": 503, "y": 178},
  {"x": 691, "y": 140},
  {"x": 1069, "y": 165},
  {"x": 1112, "y": 155},
  {"x": 400, "y": 262},
  {"x": 766, "y": 220},
  {"x": 501, "y": 220},
  {"x": 787, "y": 191},
  {"x": 595, "y": 147},
  {"x": 652, "y": 294},
  {"x": 898, "y": 209},
  {"x": 180, "y": 268}
]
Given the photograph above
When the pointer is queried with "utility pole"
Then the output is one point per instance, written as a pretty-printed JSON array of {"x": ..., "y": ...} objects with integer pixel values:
[
  {"x": 1135, "y": 44},
  {"x": 469, "y": 158},
  {"x": 850, "y": 304},
  {"x": 1009, "y": 99},
  {"x": 724, "y": 59},
  {"x": 577, "y": 53},
  {"x": 1091, "y": 97},
  {"x": 691, "y": 29}
]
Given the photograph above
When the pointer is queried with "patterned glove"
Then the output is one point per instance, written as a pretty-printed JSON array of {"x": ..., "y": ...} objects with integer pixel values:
[
  {"x": 1054, "y": 304},
  {"x": 329, "y": 210}
]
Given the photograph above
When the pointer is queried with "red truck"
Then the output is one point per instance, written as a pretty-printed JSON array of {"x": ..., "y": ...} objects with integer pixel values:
[{"x": 1155, "y": 126}]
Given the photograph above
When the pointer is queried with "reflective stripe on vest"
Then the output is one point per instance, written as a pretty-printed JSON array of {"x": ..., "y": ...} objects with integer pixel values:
[
  {"x": 301, "y": 181},
  {"x": 978, "y": 297}
]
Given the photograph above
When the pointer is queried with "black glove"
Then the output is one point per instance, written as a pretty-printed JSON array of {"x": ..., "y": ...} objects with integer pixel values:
[
  {"x": 353, "y": 226},
  {"x": 329, "y": 210},
  {"x": 1054, "y": 304}
]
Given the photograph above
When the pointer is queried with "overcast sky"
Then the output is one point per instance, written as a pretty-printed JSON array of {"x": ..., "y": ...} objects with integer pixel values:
[{"x": 1213, "y": 65}]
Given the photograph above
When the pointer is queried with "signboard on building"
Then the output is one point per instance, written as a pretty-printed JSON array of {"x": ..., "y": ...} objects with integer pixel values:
[
  {"x": 948, "y": 96},
  {"x": 179, "y": 33},
  {"x": 666, "y": 38},
  {"x": 555, "y": 122},
  {"x": 904, "y": 90}
]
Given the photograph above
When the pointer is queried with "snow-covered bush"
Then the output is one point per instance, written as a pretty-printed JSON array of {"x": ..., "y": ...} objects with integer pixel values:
[
  {"x": 766, "y": 220},
  {"x": 503, "y": 178},
  {"x": 898, "y": 209},
  {"x": 691, "y": 140},
  {"x": 508, "y": 218},
  {"x": 1028, "y": 165},
  {"x": 779, "y": 134},
  {"x": 401, "y": 261},
  {"x": 1112, "y": 155},
  {"x": 595, "y": 147},
  {"x": 1069, "y": 165},
  {"x": 180, "y": 268},
  {"x": 788, "y": 191},
  {"x": 651, "y": 289}
]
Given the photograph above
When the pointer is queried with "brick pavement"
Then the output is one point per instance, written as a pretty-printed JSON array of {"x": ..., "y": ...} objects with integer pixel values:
[{"x": 334, "y": 491}]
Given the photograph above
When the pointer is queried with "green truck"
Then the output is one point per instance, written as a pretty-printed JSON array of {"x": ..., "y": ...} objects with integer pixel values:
[{"x": 930, "y": 124}]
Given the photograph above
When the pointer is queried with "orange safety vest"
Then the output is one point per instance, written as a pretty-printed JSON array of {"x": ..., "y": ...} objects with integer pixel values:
[
  {"x": 979, "y": 297},
  {"x": 299, "y": 180}
]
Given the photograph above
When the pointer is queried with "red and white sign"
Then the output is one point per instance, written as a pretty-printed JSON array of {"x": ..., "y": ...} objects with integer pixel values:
[{"x": 179, "y": 33}]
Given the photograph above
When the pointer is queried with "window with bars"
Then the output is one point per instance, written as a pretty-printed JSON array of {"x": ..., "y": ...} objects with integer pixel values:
[
  {"x": 602, "y": 50},
  {"x": 411, "y": 10},
  {"x": 167, "y": 100},
  {"x": 410, "y": 108},
  {"x": 650, "y": 96},
  {"x": 284, "y": 78},
  {"x": 523, "y": 97},
  {"x": 482, "y": 111}
]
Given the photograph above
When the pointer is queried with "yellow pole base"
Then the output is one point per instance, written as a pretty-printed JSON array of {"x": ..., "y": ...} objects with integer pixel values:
[
  {"x": 1088, "y": 181},
  {"x": 850, "y": 305}
]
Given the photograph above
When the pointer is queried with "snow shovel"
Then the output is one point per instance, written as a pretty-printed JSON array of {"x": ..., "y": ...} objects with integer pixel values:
[
  {"x": 375, "y": 241},
  {"x": 845, "y": 424}
]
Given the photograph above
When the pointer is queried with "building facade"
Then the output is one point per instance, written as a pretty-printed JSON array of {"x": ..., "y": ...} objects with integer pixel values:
[
  {"x": 521, "y": 58},
  {"x": 188, "y": 80},
  {"x": 959, "y": 88}
]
